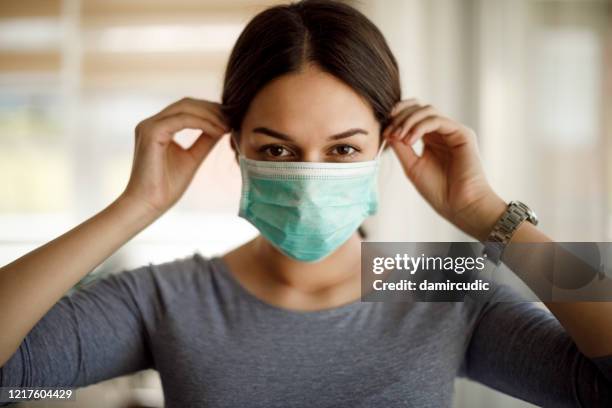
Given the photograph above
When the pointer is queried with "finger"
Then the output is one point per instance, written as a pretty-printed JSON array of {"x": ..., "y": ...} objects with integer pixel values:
[
  {"x": 427, "y": 125},
  {"x": 198, "y": 107},
  {"x": 440, "y": 151},
  {"x": 395, "y": 126},
  {"x": 446, "y": 127},
  {"x": 215, "y": 108},
  {"x": 164, "y": 129},
  {"x": 397, "y": 108},
  {"x": 401, "y": 105},
  {"x": 407, "y": 157},
  {"x": 212, "y": 108},
  {"x": 414, "y": 118},
  {"x": 188, "y": 103},
  {"x": 201, "y": 147},
  {"x": 435, "y": 140},
  {"x": 396, "y": 122}
]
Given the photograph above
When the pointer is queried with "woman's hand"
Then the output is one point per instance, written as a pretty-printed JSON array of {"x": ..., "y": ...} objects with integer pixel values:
[
  {"x": 448, "y": 174},
  {"x": 162, "y": 169}
]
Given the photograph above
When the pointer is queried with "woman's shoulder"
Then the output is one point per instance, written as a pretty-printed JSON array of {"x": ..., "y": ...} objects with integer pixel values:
[
  {"x": 164, "y": 282},
  {"x": 176, "y": 276},
  {"x": 185, "y": 267}
]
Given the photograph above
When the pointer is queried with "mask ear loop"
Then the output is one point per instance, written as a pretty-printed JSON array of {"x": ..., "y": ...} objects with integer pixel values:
[
  {"x": 236, "y": 144},
  {"x": 381, "y": 148}
]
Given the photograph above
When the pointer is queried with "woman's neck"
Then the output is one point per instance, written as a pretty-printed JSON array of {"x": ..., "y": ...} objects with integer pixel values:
[{"x": 277, "y": 279}]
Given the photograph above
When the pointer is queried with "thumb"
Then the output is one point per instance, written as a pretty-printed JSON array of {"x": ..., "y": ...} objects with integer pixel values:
[
  {"x": 202, "y": 146},
  {"x": 406, "y": 155}
]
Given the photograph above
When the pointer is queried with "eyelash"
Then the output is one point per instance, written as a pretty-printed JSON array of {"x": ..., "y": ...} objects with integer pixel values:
[
  {"x": 265, "y": 150},
  {"x": 351, "y": 154}
]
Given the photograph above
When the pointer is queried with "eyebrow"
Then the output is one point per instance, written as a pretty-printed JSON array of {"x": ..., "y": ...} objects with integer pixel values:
[{"x": 282, "y": 136}]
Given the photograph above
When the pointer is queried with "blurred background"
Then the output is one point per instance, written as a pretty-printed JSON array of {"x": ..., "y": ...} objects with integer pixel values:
[{"x": 532, "y": 77}]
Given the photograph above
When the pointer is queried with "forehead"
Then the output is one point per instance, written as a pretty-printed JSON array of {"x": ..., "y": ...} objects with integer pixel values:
[{"x": 310, "y": 100}]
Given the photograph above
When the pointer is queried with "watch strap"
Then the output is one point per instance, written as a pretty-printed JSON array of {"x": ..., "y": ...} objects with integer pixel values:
[{"x": 504, "y": 228}]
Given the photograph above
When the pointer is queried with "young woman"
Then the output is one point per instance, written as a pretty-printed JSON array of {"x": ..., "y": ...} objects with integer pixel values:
[{"x": 310, "y": 94}]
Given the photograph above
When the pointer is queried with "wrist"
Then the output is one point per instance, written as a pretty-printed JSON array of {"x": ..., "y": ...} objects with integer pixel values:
[
  {"x": 136, "y": 209},
  {"x": 479, "y": 220}
]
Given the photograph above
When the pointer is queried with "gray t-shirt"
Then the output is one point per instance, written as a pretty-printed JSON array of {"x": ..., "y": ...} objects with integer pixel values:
[{"x": 216, "y": 345}]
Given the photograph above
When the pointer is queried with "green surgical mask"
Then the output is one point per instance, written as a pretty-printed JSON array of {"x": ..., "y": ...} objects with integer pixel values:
[{"x": 308, "y": 209}]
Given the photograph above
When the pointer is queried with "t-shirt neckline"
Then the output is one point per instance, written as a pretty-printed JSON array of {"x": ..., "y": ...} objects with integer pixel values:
[{"x": 225, "y": 273}]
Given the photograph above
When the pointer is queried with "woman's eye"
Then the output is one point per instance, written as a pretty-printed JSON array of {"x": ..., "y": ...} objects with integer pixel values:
[
  {"x": 344, "y": 150},
  {"x": 275, "y": 151}
]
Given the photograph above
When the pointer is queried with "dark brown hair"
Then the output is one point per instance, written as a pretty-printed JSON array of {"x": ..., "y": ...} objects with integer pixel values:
[{"x": 336, "y": 37}]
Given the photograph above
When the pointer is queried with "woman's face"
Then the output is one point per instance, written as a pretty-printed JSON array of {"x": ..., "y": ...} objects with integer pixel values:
[{"x": 309, "y": 116}]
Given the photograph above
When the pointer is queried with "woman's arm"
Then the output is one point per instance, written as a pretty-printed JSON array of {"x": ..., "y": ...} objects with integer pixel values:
[
  {"x": 32, "y": 284},
  {"x": 100, "y": 331},
  {"x": 588, "y": 323},
  {"x": 522, "y": 350},
  {"x": 449, "y": 175},
  {"x": 161, "y": 172}
]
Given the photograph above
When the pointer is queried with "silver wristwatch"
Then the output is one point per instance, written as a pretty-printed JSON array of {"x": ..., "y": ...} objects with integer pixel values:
[{"x": 503, "y": 230}]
